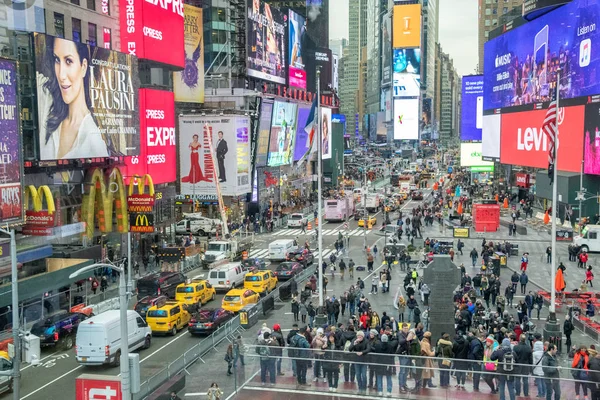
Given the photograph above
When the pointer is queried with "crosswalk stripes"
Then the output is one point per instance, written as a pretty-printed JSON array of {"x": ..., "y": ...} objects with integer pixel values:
[
  {"x": 326, "y": 232},
  {"x": 263, "y": 253}
]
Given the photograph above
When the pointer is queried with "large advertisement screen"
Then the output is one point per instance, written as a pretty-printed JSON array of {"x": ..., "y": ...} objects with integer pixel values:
[
  {"x": 10, "y": 146},
  {"x": 283, "y": 134},
  {"x": 158, "y": 147},
  {"x": 406, "y": 119},
  {"x": 490, "y": 137},
  {"x": 407, "y": 72},
  {"x": 302, "y": 139},
  {"x": 524, "y": 143},
  {"x": 470, "y": 155},
  {"x": 386, "y": 50},
  {"x": 296, "y": 48},
  {"x": 266, "y": 42},
  {"x": 407, "y": 26},
  {"x": 264, "y": 133},
  {"x": 188, "y": 84},
  {"x": 231, "y": 147},
  {"x": 153, "y": 30},
  {"x": 471, "y": 120},
  {"x": 98, "y": 85},
  {"x": 591, "y": 144},
  {"x": 326, "y": 132},
  {"x": 521, "y": 65}
]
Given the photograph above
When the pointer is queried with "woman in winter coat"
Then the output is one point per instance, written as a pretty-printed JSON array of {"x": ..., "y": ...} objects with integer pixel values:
[
  {"x": 580, "y": 371},
  {"x": 386, "y": 346},
  {"x": 538, "y": 372},
  {"x": 589, "y": 276},
  {"x": 303, "y": 311},
  {"x": 296, "y": 309},
  {"x": 375, "y": 321},
  {"x": 401, "y": 308},
  {"x": 488, "y": 365},
  {"x": 428, "y": 368},
  {"x": 331, "y": 365},
  {"x": 460, "y": 348},
  {"x": 444, "y": 351}
]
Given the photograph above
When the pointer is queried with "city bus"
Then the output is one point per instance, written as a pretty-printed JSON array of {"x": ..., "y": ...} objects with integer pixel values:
[{"x": 339, "y": 209}]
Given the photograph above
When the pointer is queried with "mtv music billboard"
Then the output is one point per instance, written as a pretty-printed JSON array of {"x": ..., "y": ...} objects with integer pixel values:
[
  {"x": 523, "y": 142},
  {"x": 407, "y": 26},
  {"x": 188, "y": 84}
]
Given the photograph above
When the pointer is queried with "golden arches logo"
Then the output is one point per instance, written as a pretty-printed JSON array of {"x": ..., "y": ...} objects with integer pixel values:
[
  {"x": 140, "y": 202},
  {"x": 141, "y": 182},
  {"x": 104, "y": 197},
  {"x": 37, "y": 198}
]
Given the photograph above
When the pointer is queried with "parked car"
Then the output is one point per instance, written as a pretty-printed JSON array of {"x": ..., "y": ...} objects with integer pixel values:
[
  {"x": 59, "y": 329},
  {"x": 208, "y": 320},
  {"x": 287, "y": 270},
  {"x": 302, "y": 256},
  {"x": 145, "y": 303},
  {"x": 296, "y": 221}
]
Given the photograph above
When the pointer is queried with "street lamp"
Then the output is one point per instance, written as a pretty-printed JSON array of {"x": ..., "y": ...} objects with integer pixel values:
[{"x": 124, "y": 362}]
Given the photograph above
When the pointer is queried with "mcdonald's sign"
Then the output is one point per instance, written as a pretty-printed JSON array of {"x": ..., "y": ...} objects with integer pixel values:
[
  {"x": 141, "y": 222},
  {"x": 140, "y": 202},
  {"x": 104, "y": 194},
  {"x": 39, "y": 221}
]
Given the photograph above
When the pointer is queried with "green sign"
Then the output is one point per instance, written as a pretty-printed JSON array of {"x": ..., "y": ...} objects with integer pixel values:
[{"x": 487, "y": 168}]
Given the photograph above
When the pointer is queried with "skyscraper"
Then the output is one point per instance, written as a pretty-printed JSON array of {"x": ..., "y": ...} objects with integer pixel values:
[
  {"x": 431, "y": 11},
  {"x": 492, "y": 14}
]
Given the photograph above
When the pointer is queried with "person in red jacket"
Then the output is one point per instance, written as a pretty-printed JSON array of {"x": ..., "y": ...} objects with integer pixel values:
[
  {"x": 580, "y": 371},
  {"x": 589, "y": 276},
  {"x": 583, "y": 259}
]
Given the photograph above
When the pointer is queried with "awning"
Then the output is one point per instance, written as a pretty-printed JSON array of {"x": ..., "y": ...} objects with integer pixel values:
[{"x": 34, "y": 254}]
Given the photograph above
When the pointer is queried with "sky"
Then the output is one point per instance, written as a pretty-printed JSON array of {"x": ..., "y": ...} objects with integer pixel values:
[{"x": 457, "y": 35}]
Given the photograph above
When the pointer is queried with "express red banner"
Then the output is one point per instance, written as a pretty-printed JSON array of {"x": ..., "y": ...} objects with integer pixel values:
[{"x": 524, "y": 143}]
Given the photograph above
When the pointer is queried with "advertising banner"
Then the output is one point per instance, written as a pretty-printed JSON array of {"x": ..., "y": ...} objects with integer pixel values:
[
  {"x": 153, "y": 30},
  {"x": 302, "y": 140},
  {"x": 11, "y": 164},
  {"x": 188, "y": 84},
  {"x": 406, "y": 119},
  {"x": 283, "y": 134},
  {"x": 533, "y": 8},
  {"x": 266, "y": 42},
  {"x": 386, "y": 51},
  {"x": 158, "y": 148},
  {"x": 103, "y": 89},
  {"x": 591, "y": 143},
  {"x": 523, "y": 142},
  {"x": 470, "y": 155},
  {"x": 264, "y": 133},
  {"x": 426, "y": 122},
  {"x": 522, "y": 180},
  {"x": 407, "y": 72},
  {"x": 231, "y": 146},
  {"x": 326, "y": 132},
  {"x": 322, "y": 58},
  {"x": 296, "y": 47},
  {"x": 471, "y": 121},
  {"x": 407, "y": 26},
  {"x": 520, "y": 66},
  {"x": 92, "y": 386},
  {"x": 490, "y": 137}
]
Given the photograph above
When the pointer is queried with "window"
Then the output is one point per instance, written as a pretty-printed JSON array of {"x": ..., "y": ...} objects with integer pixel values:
[
  {"x": 504, "y": 10},
  {"x": 219, "y": 14},
  {"x": 76, "y": 2},
  {"x": 76, "y": 30},
  {"x": 59, "y": 25},
  {"x": 92, "y": 34},
  {"x": 91, "y": 4},
  {"x": 106, "y": 7},
  {"x": 495, "y": 11},
  {"x": 593, "y": 235},
  {"x": 488, "y": 11},
  {"x": 487, "y": 22},
  {"x": 107, "y": 38}
]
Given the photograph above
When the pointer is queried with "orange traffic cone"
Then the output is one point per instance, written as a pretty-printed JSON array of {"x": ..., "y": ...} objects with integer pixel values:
[
  {"x": 546, "y": 218},
  {"x": 309, "y": 226},
  {"x": 317, "y": 221},
  {"x": 459, "y": 209},
  {"x": 496, "y": 197},
  {"x": 505, "y": 205}
]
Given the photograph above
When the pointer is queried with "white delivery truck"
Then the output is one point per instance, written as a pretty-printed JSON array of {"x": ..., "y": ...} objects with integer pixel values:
[
  {"x": 279, "y": 249},
  {"x": 589, "y": 240}
]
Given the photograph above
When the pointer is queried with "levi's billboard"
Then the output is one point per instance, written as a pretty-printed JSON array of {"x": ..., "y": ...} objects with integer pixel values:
[
  {"x": 153, "y": 29},
  {"x": 524, "y": 143},
  {"x": 158, "y": 150}
]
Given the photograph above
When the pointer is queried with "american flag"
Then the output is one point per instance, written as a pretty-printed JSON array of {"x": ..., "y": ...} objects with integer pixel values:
[{"x": 550, "y": 129}]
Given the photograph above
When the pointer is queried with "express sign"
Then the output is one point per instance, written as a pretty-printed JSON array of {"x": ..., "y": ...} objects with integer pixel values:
[{"x": 153, "y": 29}]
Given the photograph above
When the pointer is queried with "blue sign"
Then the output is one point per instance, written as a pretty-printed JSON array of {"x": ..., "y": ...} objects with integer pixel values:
[
  {"x": 521, "y": 65},
  {"x": 471, "y": 120}
]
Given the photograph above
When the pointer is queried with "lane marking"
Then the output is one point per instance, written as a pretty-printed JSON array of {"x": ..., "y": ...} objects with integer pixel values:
[
  {"x": 41, "y": 359},
  {"x": 242, "y": 386},
  {"x": 51, "y": 382}
]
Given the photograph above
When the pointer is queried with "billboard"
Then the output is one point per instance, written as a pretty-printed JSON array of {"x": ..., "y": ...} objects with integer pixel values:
[
  {"x": 283, "y": 134},
  {"x": 296, "y": 48},
  {"x": 326, "y": 132},
  {"x": 264, "y": 133},
  {"x": 406, "y": 72},
  {"x": 591, "y": 144},
  {"x": 490, "y": 137},
  {"x": 230, "y": 139},
  {"x": 188, "y": 84},
  {"x": 98, "y": 84},
  {"x": 386, "y": 50},
  {"x": 524, "y": 143},
  {"x": 11, "y": 164},
  {"x": 302, "y": 140},
  {"x": 406, "y": 119},
  {"x": 407, "y": 26},
  {"x": 321, "y": 58},
  {"x": 92, "y": 386},
  {"x": 266, "y": 42},
  {"x": 471, "y": 113},
  {"x": 470, "y": 156},
  {"x": 158, "y": 148},
  {"x": 154, "y": 30},
  {"x": 521, "y": 65}
]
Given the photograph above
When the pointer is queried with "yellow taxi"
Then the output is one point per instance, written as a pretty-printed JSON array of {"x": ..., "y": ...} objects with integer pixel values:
[
  {"x": 195, "y": 292},
  {"x": 371, "y": 221},
  {"x": 236, "y": 299},
  {"x": 260, "y": 281},
  {"x": 167, "y": 318}
]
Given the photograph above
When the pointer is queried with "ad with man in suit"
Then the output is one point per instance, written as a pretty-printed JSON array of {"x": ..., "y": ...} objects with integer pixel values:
[{"x": 221, "y": 151}]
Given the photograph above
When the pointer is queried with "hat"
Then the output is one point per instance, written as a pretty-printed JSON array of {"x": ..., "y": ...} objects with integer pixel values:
[
  {"x": 320, "y": 331},
  {"x": 506, "y": 342},
  {"x": 373, "y": 332},
  {"x": 266, "y": 335},
  {"x": 264, "y": 329},
  {"x": 384, "y": 338},
  {"x": 360, "y": 333},
  {"x": 445, "y": 336},
  {"x": 489, "y": 339},
  {"x": 276, "y": 327},
  {"x": 427, "y": 334},
  {"x": 503, "y": 330}
]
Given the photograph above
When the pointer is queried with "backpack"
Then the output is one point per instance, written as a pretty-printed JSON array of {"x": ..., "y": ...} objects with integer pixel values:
[
  {"x": 292, "y": 352},
  {"x": 508, "y": 364}
]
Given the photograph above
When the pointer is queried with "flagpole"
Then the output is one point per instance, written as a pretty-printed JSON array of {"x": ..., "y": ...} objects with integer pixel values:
[
  {"x": 319, "y": 188},
  {"x": 552, "y": 308}
]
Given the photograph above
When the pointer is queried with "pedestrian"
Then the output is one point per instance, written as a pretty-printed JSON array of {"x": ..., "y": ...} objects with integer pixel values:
[
  {"x": 94, "y": 285},
  {"x": 474, "y": 255},
  {"x": 568, "y": 330},
  {"x": 580, "y": 371},
  {"x": 460, "y": 348},
  {"x": 299, "y": 348},
  {"x": 386, "y": 346},
  {"x": 550, "y": 368},
  {"x": 342, "y": 266},
  {"x": 425, "y": 292},
  {"x": 428, "y": 369},
  {"x": 523, "y": 361},
  {"x": 331, "y": 367},
  {"x": 401, "y": 308},
  {"x": 444, "y": 351},
  {"x": 375, "y": 251},
  {"x": 411, "y": 304},
  {"x": 589, "y": 276},
  {"x": 361, "y": 348},
  {"x": 370, "y": 260},
  {"x": 538, "y": 373},
  {"x": 524, "y": 261},
  {"x": 505, "y": 357},
  {"x": 267, "y": 362},
  {"x": 490, "y": 365},
  {"x": 303, "y": 311},
  {"x": 295, "y": 308},
  {"x": 239, "y": 349},
  {"x": 524, "y": 280},
  {"x": 351, "y": 268},
  {"x": 214, "y": 392},
  {"x": 279, "y": 343},
  {"x": 459, "y": 246},
  {"x": 374, "y": 282},
  {"x": 174, "y": 396},
  {"x": 549, "y": 254},
  {"x": 229, "y": 358}
]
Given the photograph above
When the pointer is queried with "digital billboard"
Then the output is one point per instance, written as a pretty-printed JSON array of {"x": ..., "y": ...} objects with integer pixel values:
[
  {"x": 264, "y": 133},
  {"x": 158, "y": 147},
  {"x": 188, "y": 84},
  {"x": 406, "y": 72},
  {"x": 153, "y": 30},
  {"x": 296, "y": 48},
  {"x": 321, "y": 58},
  {"x": 521, "y": 65},
  {"x": 406, "y": 119},
  {"x": 591, "y": 144},
  {"x": 524, "y": 143},
  {"x": 471, "y": 113},
  {"x": 490, "y": 137},
  {"x": 386, "y": 50},
  {"x": 326, "y": 132},
  {"x": 407, "y": 26},
  {"x": 283, "y": 134},
  {"x": 302, "y": 139},
  {"x": 266, "y": 42},
  {"x": 230, "y": 139},
  {"x": 102, "y": 90},
  {"x": 470, "y": 155},
  {"x": 11, "y": 209}
]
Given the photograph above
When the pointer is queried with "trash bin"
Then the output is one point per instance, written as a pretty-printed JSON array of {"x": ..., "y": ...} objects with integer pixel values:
[
  {"x": 514, "y": 249},
  {"x": 31, "y": 349},
  {"x": 249, "y": 316}
]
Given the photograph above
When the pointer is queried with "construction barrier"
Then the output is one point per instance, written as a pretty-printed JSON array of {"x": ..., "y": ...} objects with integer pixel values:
[{"x": 244, "y": 255}]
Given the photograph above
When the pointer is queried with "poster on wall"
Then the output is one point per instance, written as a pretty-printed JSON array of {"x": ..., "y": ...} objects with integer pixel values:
[
  {"x": 283, "y": 134},
  {"x": 302, "y": 140},
  {"x": 103, "y": 89},
  {"x": 264, "y": 133},
  {"x": 10, "y": 146},
  {"x": 266, "y": 42},
  {"x": 326, "y": 132},
  {"x": 230, "y": 138},
  {"x": 296, "y": 48},
  {"x": 188, "y": 84}
]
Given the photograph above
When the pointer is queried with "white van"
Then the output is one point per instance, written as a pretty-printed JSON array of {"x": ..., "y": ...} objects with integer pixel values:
[
  {"x": 98, "y": 340},
  {"x": 279, "y": 249},
  {"x": 227, "y": 276}
]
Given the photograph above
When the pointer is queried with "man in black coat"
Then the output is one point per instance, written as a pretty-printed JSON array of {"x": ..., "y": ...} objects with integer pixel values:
[
  {"x": 221, "y": 151},
  {"x": 524, "y": 356},
  {"x": 460, "y": 348}
]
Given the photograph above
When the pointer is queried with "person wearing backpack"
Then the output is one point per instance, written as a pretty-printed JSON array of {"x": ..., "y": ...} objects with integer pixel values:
[
  {"x": 267, "y": 363},
  {"x": 475, "y": 355},
  {"x": 299, "y": 349},
  {"x": 524, "y": 360},
  {"x": 538, "y": 372},
  {"x": 581, "y": 371},
  {"x": 506, "y": 367},
  {"x": 551, "y": 369},
  {"x": 347, "y": 339}
]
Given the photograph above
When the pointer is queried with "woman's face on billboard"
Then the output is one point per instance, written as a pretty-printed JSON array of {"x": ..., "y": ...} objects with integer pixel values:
[{"x": 69, "y": 70}]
